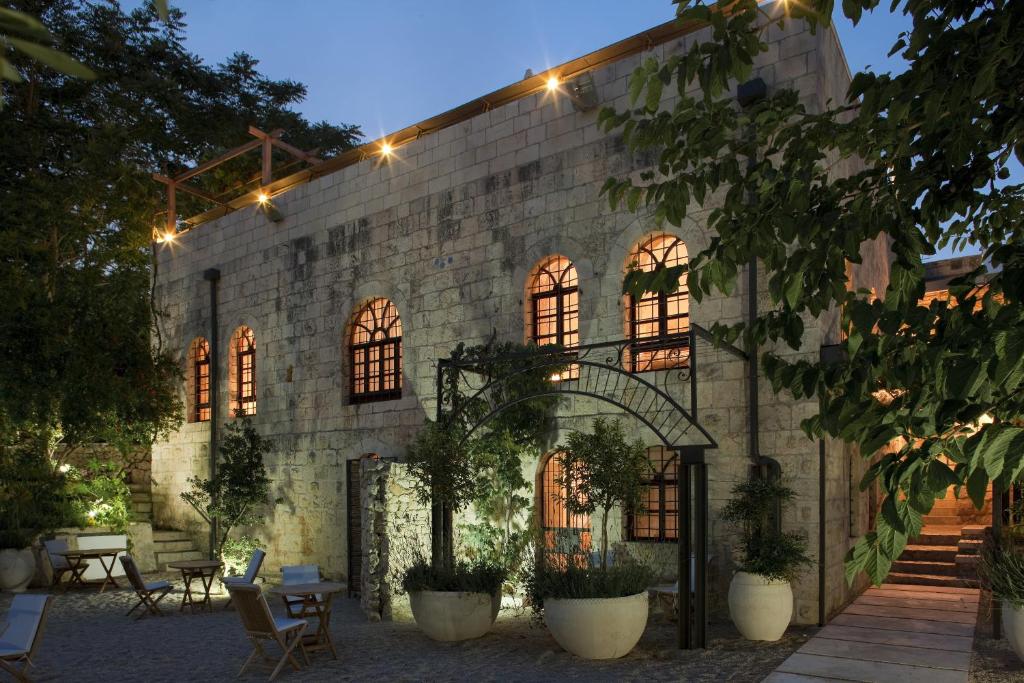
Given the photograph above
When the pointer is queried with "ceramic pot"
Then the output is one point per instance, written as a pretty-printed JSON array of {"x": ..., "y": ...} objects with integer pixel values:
[
  {"x": 17, "y": 567},
  {"x": 597, "y": 628},
  {"x": 761, "y": 608},
  {"x": 453, "y": 615}
]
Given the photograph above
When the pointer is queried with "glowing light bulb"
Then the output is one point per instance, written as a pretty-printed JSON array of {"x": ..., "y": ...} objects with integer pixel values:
[
  {"x": 555, "y": 377},
  {"x": 262, "y": 198},
  {"x": 385, "y": 149},
  {"x": 168, "y": 237},
  {"x": 552, "y": 83}
]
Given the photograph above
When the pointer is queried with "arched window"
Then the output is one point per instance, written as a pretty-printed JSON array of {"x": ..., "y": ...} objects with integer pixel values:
[
  {"x": 658, "y": 520},
  {"x": 198, "y": 380},
  {"x": 658, "y": 324},
  {"x": 376, "y": 353},
  {"x": 554, "y": 300},
  {"x": 565, "y": 534},
  {"x": 242, "y": 372}
]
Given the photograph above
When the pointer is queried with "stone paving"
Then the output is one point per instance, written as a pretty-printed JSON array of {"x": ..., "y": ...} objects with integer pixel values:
[{"x": 88, "y": 638}]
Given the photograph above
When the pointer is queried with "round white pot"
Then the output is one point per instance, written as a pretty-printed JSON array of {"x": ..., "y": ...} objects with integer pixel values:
[
  {"x": 17, "y": 567},
  {"x": 1013, "y": 628},
  {"x": 760, "y": 608},
  {"x": 597, "y": 628},
  {"x": 452, "y": 615}
]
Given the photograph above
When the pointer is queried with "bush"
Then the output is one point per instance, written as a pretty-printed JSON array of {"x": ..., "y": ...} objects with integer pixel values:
[
  {"x": 477, "y": 577},
  {"x": 580, "y": 582},
  {"x": 235, "y": 553},
  {"x": 1002, "y": 572},
  {"x": 766, "y": 550},
  {"x": 101, "y": 496}
]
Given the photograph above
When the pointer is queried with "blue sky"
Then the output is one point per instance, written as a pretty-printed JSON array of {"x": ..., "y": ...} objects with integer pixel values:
[{"x": 387, "y": 64}]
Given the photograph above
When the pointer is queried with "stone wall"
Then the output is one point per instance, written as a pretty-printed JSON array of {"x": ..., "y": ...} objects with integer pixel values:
[{"x": 448, "y": 230}]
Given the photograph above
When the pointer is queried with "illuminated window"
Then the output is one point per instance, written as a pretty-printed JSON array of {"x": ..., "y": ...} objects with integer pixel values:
[
  {"x": 658, "y": 324},
  {"x": 658, "y": 520},
  {"x": 199, "y": 380},
  {"x": 566, "y": 535},
  {"x": 242, "y": 372},
  {"x": 376, "y": 352},
  {"x": 554, "y": 306}
]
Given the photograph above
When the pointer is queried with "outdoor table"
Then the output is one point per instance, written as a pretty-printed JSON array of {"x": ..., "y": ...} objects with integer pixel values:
[
  {"x": 321, "y": 640},
  {"x": 75, "y": 559},
  {"x": 204, "y": 570}
]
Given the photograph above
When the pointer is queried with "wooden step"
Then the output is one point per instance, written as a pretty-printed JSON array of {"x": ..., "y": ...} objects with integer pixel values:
[
  {"x": 930, "y": 553},
  {"x": 930, "y": 580},
  {"x": 922, "y": 567}
]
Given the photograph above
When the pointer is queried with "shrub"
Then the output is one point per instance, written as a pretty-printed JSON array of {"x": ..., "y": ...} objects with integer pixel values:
[
  {"x": 766, "y": 550},
  {"x": 477, "y": 577},
  {"x": 235, "y": 553},
  {"x": 579, "y": 582},
  {"x": 1002, "y": 571},
  {"x": 101, "y": 496}
]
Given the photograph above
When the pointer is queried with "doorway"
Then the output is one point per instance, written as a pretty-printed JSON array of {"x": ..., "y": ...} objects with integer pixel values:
[{"x": 565, "y": 534}]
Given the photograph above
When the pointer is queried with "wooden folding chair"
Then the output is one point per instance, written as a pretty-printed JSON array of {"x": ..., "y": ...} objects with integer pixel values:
[
  {"x": 260, "y": 625},
  {"x": 25, "y": 621},
  {"x": 144, "y": 590},
  {"x": 251, "y": 572},
  {"x": 55, "y": 549}
]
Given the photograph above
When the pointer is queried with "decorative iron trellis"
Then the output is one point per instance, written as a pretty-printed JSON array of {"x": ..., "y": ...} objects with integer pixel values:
[{"x": 600, "y": 372}]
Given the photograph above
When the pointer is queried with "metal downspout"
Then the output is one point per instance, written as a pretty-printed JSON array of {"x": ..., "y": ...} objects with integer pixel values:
[{"x": 212, "y": 275}]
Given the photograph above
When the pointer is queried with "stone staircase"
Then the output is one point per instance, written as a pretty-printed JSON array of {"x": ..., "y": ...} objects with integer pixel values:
[
  {"x": 142, "y": 503},
  {"x": 172, "y": 546},
  {"x": 943, "y": 555}
]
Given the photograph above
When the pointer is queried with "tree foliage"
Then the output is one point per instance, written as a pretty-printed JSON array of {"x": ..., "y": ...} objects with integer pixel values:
[
  {"x": 919, "y": 159},
  {"x": 239, "y": 491},
  {"x": 77, "y": 351}
]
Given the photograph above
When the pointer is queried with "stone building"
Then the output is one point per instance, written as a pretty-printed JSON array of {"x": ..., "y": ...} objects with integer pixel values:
[{"x": 487, "y": 221}]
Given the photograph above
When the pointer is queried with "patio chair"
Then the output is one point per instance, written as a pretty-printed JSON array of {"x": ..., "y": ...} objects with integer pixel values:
[
  {"x": 260, "y": 625},
  {"x": 18, "y": 642},
  {"x": 251, "y": 571},
  {"x": 297, "y": 605},
  {"x": 55, "y": 549},
  {"x": 144, "y": 590}
]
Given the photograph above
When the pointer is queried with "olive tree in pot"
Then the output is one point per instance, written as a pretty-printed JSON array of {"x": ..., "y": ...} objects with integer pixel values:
[
  {"x": 597, "y": 612},
  {"x": 760, "y": 594},
  {"x": 1002, "y": 572},
  {"x": 450, "y": 601}
]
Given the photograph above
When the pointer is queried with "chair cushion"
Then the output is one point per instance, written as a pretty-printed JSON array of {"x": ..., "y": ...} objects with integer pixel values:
[
  {"x": 234, "y": 580},
  {"x": 157, "y": 585},
  {"x": 285, "y": 624},
  {"x": 22, "y": 623}
]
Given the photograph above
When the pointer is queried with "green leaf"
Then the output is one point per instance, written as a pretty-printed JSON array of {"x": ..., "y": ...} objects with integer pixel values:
[
  {"x": 53, "y": 58},
  {"x": 977, "y": 487}
]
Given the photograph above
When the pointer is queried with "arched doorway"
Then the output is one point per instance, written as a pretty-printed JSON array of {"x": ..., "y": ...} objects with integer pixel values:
[{"x": 565, "y": 534}]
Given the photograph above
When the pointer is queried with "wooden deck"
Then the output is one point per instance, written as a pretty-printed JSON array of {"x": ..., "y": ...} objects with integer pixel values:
[{"x": 904, "y": 633}]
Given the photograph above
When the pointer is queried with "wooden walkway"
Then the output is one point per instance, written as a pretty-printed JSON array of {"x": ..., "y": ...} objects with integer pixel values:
[{"x": 901, "y": 633}]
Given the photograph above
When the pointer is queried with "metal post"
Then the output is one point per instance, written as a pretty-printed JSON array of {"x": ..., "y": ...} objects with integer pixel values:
[
  {"x": 700, "y": 529},
  {"x": 693, "y": 376},
  {"x": 997, "y": 532},
  {"x": 685, "y": 631},
  {"x": 436, "y": 509},
  {"x": 211, "y": 275},
  {"x": 822, "y": 518}
]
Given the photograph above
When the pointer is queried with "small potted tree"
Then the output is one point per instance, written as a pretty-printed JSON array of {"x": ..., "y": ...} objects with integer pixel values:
[
  {"x": 596, "y": 612},
  {"x": 450, "y": 601},
  {"x": 1002, "y": 572},
  {"x": 760, "y": 595}
]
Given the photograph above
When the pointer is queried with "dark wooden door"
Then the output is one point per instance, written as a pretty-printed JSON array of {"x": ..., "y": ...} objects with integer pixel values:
[{"x": 355, "y": 529}]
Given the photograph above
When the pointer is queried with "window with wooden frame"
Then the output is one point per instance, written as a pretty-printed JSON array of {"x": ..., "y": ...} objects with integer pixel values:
[
  {"x": 658, "y": 520},
  {"x": 199, "y": 386},
  {"x": 376, "y": 353},
  {"x": 553, "y": 297},
  {"x": 658, "y": 325},
  {"x": 242, "y": 372}
]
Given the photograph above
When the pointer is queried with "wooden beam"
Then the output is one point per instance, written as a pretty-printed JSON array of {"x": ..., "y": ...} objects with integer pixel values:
[
  {"x": 295, "y": 151},
  {"x": 212, "y": 163}
]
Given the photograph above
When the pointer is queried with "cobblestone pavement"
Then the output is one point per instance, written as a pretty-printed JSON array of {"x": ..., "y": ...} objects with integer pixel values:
[{"x": 89, "y": 638}]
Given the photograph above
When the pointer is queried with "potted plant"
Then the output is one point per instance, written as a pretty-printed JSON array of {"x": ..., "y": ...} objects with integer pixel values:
[
  {"x": 597, "y": 612},
  {"x": 449, "y": 600},
  {"x": 454, "y": 603},
  {"x": 760, "y": 594},
  {"x": 1002, "y": 571}
]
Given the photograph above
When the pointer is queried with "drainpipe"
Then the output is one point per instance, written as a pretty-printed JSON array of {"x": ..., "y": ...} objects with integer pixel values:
[{"x": 212, "y": 275}]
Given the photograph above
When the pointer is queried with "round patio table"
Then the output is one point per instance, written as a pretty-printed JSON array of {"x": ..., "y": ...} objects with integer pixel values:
[
  {"x": 318, "y": 596},
  {"x": 75, "y": 559},
  {"x": 204, "y": 570}
]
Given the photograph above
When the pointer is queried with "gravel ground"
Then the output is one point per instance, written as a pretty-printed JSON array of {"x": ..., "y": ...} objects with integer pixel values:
[
  {"x": 993, "y": 661},
  {"x": 88, "y": 638}
]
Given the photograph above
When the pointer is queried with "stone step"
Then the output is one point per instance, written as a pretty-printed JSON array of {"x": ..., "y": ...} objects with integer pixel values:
[
  {"x": 969, "y": 546},
  {"x": 930, "y": 580},
  {"x": 173, "y": 546},
  {"x": 930, "y": 553},
  {"x": 968, "y": 565},
  {"x": 944, "y": 537},
  {"x": 974, "y": 531},
  {"x": 923, "y": 567},
  {"x": 163, "y": 558},
  {"x": 169, "y": 535},
  {"x": 142, "y": 508},
  {"x": 139, "y": 488},
  {"x": 941, "y": 519}
]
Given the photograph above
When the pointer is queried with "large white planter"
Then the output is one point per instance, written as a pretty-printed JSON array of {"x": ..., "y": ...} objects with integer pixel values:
[
  {"x": 17, "y": 567},
  {"x": 1013, "y": 628},
  {"x": 597, "y": 628},
  {"x": 760, "y": 608},
  {"x": 452, "y": 615}
]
